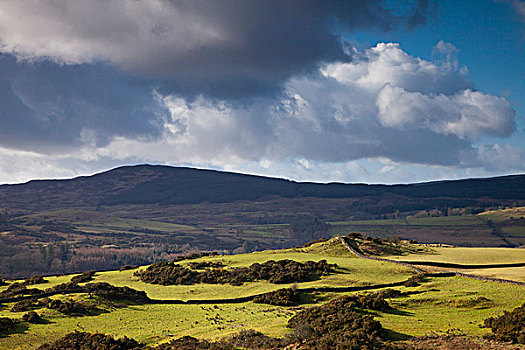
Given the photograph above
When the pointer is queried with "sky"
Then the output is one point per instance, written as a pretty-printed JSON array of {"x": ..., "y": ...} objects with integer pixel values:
[{"x": 332, "y": 91}]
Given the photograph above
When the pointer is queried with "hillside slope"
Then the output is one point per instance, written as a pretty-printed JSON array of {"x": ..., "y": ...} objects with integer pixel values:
[{"x": 147, "y": 184}]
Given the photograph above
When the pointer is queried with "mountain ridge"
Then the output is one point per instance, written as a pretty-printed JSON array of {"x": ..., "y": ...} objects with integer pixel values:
[{"x": 166, "y": 185}]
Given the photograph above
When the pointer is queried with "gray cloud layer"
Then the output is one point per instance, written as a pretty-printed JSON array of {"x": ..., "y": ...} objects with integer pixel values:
[{"x": 227, "y": 47}]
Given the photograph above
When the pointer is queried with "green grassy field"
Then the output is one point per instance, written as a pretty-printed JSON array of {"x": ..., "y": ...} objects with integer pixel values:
[{"x": 434, "y": 309}]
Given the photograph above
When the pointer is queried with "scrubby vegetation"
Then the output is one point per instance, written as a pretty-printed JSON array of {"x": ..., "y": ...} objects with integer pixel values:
[
  {"x": 83, "y": 277},
  {"x": 281, "y": 271},
  {"x": 72, "y": 307},
  {"x": 32, "y": 317},
  {"x": 336, "y": 325},
  {"x": 17, "y": 289},
  {"x": 377, "y": 246},
  {"x": 414, "y": 281},
  {"x": 34, "y": 280},
  {"x": 27, "y": 305},
  {"x": 281, "y": 297},
  {"x": 508, "y": 327},
  {"x": 374, "y": 301},
  {"x": 112, "y": 293},
  {"x": 191, "y": 343},
  {"x": 83, "y": 340},
  {"x": 7, "y": 324}
]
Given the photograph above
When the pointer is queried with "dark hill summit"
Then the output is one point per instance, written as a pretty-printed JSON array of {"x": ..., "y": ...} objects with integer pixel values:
[{"x": 147, "y": 184}]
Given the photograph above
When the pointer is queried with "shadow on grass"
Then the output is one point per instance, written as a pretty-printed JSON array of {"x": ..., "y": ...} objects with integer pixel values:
[
  {"x": 20, "y": 328},
  {"x": 398, "y": 312}
]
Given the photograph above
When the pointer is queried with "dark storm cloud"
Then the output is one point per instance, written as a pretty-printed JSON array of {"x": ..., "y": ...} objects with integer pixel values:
[
  {"x": 46, "y": 107},
  {"x": 225, "y": 48}
]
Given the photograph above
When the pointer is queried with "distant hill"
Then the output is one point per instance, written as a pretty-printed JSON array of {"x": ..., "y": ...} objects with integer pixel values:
[{"x": 148, "y": 184}]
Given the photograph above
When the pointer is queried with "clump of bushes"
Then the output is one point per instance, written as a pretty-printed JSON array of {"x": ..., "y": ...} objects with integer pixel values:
[
  {"x": 128, "y": 267},
  {"x": 205, "y": 264},
  {"x": 72, "y": 307},
  {"x": 27, "y": 305},
  {"x": 34, "y": 280},
  {"x": 7, "y": 324},
  {"x": 414, "y": 281},
  {"x": 251, "y": 339},
  {"x": 63, "y": 287},
  {"x": 83, "y": 277},
  {"x": 281, "y": 297},
  {"x": 17, "y": 289},
  {"x": 508, "y": 327},
  {"x": 190, "y": 343},
  {"x": 193, "y": 256},
  {"x": 281, "y": 271},
  {"x": 32, "y": 317},
  {"x": 336, "y": 325},
  {"x": 375, "y": 301},
  {"x": 109, "y": 292},
  {"x": 84, "y": 340}
]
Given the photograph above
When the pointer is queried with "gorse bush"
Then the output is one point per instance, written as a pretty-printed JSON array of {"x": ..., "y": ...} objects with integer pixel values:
[
  {"x": 109, "y": 292},
  {"x": 83, "y": 340},
  {"x": 281, "y": 271},
  {"x": 7, "y": 324},
  {"x": 336, "y": 325},
  {"x": 281, "y": 297},
  {"x": 83, "y": 277},
  {"x": 72, "y": 307},
  {"x": 32, "y": 317},
  {"x": 508, "y": 327}
]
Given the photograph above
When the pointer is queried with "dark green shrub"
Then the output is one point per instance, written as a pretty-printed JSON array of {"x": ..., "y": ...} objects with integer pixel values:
[
  {"x": 281, "y": 271},
  {"x": 7, "y": 324},
  {"x": 35, "y": 280},
  {"x": 84, "y": 341},
  {"x": 63, "y": 287},
  {"x": 281, "y": 297},
  {"x": 32, "y": 317},
  {"x": 251, "y": 339},
  {"x": 508, "y": 327},
  {"x": 205, "y": 264},
  {"x": 26, "y": 305},
  {"x": 71, "y": 307},
  {"x": 110, "y": 292},
  {"x": 336, "y": 325},
  {"x": 128, "y": 267},
  {"x": 83, "y": 277},
  {"x": 190, "y": 343},
  {"x": 18, "y": 289},
  {"x": 414, "y": 281}
]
